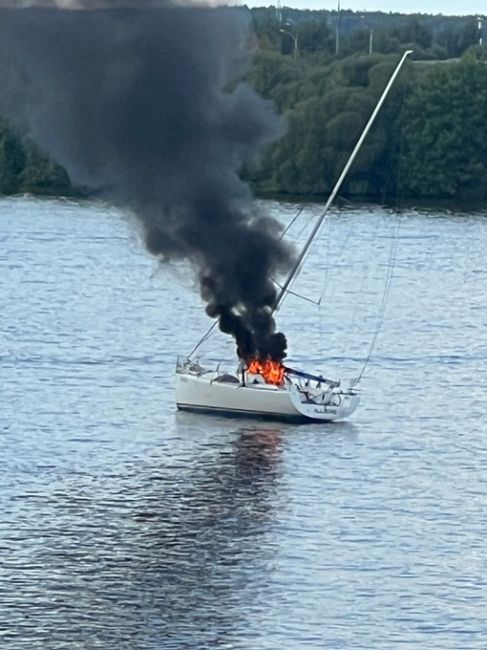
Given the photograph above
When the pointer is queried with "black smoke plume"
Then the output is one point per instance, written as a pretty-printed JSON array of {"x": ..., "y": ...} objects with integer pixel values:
[{"x": 141, "y": 104}]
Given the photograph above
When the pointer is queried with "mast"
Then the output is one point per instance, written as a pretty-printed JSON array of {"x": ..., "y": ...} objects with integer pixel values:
[{"x": 338, "y": 184}]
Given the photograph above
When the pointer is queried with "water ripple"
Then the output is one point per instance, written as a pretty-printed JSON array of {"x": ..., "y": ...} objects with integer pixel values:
[{"x": 126, "y": 525}]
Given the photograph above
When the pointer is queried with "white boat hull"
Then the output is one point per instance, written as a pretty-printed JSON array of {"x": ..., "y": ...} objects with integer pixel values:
[{"x": 207, "y": 393}]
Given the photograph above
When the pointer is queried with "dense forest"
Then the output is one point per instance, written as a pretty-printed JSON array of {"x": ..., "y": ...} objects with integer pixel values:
[{"x": 325, "y": 71}]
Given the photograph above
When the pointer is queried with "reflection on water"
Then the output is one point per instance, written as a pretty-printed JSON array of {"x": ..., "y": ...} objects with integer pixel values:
[
  {"x": 174, "y": 559},
  {"x": 207, "y": 548},
  {"x": 203, "y": 541}
]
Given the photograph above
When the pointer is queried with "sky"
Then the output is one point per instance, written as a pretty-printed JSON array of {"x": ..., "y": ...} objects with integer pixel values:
[{"x": 445, "y": 7}]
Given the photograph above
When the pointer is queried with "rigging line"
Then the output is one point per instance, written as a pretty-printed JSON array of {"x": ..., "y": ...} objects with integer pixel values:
[
  {"x": 327, "y": 266},
  {"x": 291, "y": 223},
  {"x": 298, "y": 272},
  {"x": 340, "y": 256},
  {"x": 303, "y": 230},
  {"x": 320, "y": 325},
  {"x": 298, "y": 295},
  {"x": 364, "y": 272},
  {"x": 383, "y": 305},
  {"x": 204, "y": 338}
]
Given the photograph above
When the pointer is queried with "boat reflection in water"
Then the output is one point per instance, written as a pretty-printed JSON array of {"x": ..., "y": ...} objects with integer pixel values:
[
  {"x": 170, "y": 551},
  {"x": 205, "y": 563}
]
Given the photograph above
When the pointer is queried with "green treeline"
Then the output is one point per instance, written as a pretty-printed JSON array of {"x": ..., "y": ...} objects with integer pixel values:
[
  {"x": 325, "y": 73},
  {"x": 429, "y": 141},
  {"x": 24, "y": 168}
]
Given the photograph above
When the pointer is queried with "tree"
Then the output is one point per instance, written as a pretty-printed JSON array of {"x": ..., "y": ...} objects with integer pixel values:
[
  {"x": 444, "y": 137},
  {"x": 12, "y": 160}
]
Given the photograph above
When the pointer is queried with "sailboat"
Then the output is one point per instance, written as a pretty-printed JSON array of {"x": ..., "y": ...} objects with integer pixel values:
[{"x": 270, "y": 388}]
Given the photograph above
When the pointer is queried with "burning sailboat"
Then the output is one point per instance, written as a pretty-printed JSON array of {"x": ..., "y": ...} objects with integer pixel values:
[
  {"x": 263, "y": 385},
  {"x": 138, "y": 100},
  {"x": 298, "y": 395}
]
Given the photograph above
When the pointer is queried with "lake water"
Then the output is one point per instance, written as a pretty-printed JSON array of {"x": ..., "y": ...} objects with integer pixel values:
[{"x": 124, "y": 524}]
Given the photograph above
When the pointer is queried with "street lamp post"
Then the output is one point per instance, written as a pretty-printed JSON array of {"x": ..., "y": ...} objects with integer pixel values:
[
  {"x": 479, "y": 24},
  {"x": 295, "y": 41},
  {"x": 337, "y": 31},
  {"x": 371, "y": 35}
]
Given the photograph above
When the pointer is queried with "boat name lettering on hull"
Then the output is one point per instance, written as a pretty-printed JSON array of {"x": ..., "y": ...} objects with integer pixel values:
[{"x": 325, "y": 410}]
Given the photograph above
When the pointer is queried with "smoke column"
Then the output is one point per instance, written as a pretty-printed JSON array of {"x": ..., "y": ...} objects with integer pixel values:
[{"x": 138, "y": 103}]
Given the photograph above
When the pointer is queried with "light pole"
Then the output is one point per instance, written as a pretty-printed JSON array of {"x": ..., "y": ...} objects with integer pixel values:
[
  {"x": 371, "y": 35},
  {"x": 479, "y": 18},
  {"x": 295, "y": 41},
  {"x": 278, "y": 11},
  {"x": 337, "y": 37}
]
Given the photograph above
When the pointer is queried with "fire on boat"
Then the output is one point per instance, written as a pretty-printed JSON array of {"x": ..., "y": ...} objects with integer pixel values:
[{"x": 273, "y": 372}]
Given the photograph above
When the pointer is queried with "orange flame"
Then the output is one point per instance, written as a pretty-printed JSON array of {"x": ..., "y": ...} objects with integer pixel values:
[{"x": 271, "y": 371}]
